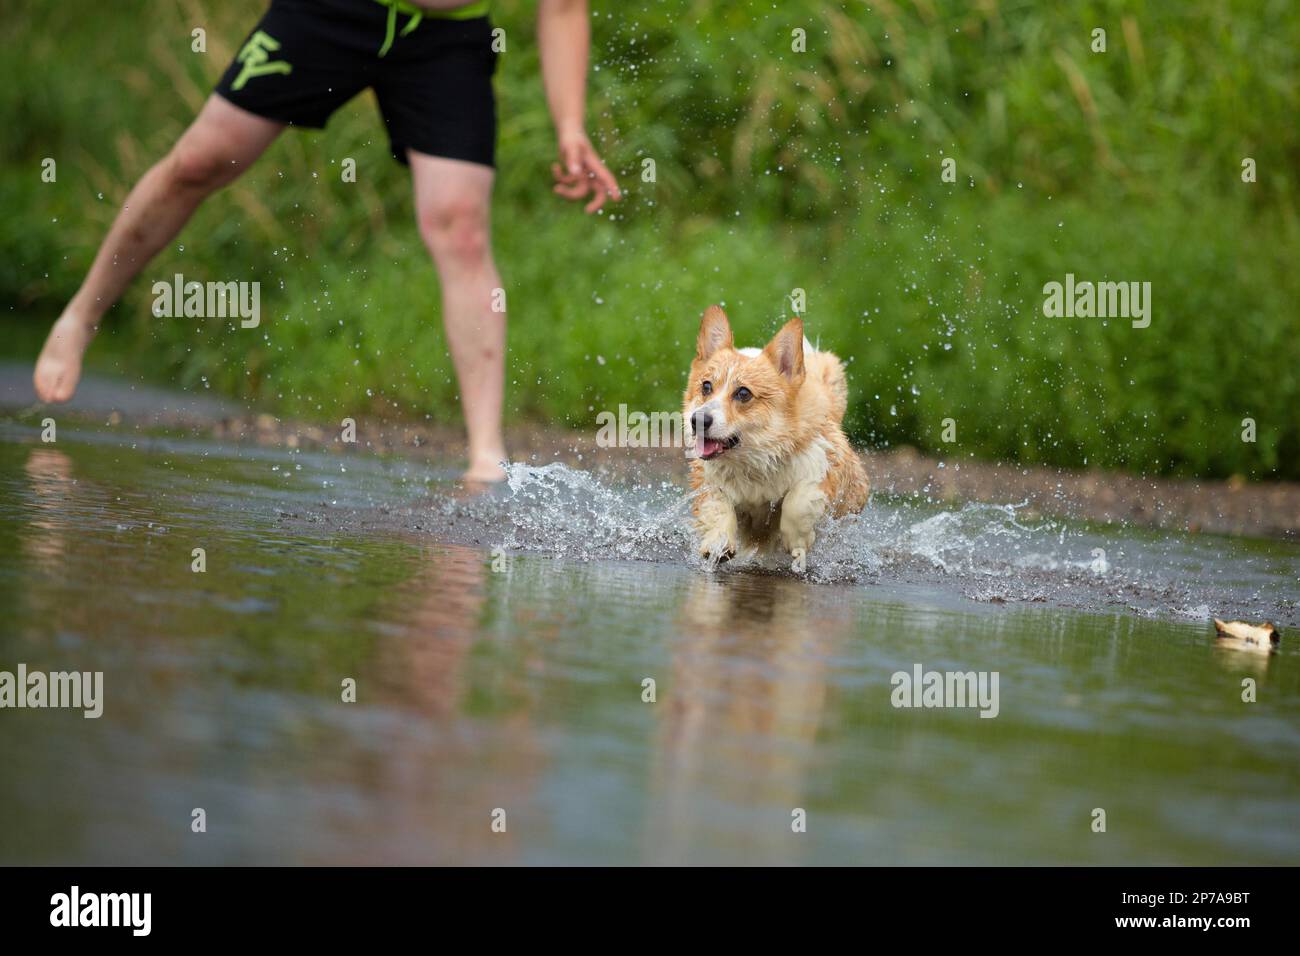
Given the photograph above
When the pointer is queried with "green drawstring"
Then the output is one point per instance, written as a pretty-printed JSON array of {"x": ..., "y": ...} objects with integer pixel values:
[
  {"x": 416, "y": 16},
  {"x": 467, "y": 12}
]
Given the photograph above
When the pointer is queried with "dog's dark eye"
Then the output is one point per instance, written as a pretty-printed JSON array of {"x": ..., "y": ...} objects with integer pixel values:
[
  {"x": 742, "y": 394},
  {"x": 707, "y": 388}
]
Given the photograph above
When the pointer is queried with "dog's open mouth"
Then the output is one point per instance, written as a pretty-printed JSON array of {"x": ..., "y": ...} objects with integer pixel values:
[{"x": 710, "y": 448}]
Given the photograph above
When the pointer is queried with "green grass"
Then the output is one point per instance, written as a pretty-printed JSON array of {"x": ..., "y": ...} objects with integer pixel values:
[{"x": 775, "y": 170}]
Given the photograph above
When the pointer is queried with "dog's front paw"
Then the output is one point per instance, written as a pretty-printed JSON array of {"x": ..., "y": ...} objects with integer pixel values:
[
  {"x": 801, "y": 509},
  {"x": 718, "y": 548},
  {"x": 798, "y": 549},
  {"x": 719, "y": 534}
]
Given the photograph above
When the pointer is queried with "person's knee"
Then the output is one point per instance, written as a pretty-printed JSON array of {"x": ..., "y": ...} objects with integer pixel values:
[
  {"x": 192, "y": 167},
  {"x": 456, "y": 230}
]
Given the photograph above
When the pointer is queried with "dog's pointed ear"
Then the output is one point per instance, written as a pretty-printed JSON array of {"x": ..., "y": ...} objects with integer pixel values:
[
  {"x": 785, "y": 351},
  {"x": 715, "y": 333}
]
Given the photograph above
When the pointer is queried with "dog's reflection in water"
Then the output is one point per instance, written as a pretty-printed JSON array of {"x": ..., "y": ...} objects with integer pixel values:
[{"x": 741, "y": 711}]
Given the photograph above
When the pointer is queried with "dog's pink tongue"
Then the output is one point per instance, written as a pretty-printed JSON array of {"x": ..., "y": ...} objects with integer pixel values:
[{"x": 708, "y": 446}]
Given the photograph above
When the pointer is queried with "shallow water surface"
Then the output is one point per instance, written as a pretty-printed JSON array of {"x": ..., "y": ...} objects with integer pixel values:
[{"x": 499, "y": 647}]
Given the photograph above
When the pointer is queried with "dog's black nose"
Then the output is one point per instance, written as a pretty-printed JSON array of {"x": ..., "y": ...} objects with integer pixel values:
[{"x": 701, "y": 421}]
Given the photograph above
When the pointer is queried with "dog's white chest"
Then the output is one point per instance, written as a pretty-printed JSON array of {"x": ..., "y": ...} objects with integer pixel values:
[{"x": 765, "y": 487}]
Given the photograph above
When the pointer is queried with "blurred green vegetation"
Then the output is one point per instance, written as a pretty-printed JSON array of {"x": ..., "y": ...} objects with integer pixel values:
[{"x": 775, "y": 170}]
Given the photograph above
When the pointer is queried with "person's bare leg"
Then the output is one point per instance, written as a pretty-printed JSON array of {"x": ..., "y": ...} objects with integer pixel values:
[
  {"x": 221, "y": 143},
  {"x": 452, "y": 204}
]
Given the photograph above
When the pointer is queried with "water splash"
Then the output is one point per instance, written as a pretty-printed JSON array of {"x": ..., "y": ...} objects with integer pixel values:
[
  {"x": 569, "y": 513},
  {"x": 989, "y": 553}
]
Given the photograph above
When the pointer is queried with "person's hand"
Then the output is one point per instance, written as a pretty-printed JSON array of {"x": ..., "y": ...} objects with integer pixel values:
[{"x": 580, "y": 172}]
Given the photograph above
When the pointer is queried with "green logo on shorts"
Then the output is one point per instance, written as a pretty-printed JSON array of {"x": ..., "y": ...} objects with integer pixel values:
[{"x": 256, "y": 61}]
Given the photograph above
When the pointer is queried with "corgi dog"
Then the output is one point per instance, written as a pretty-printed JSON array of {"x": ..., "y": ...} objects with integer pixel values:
[{"x": 768, "y": 456}]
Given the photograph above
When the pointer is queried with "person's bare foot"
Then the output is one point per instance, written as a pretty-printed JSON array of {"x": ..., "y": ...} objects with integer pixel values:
[
  {"x": 58, "y": 369},
  {"x": 485, "y": 469}
]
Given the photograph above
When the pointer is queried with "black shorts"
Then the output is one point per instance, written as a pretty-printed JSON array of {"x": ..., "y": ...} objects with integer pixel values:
[{"x": 433, "y": 81}]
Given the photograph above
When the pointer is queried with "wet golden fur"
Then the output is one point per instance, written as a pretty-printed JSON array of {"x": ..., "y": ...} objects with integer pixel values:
[{"x": 790, "y": 462}]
